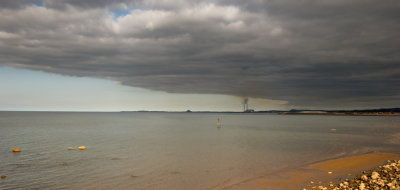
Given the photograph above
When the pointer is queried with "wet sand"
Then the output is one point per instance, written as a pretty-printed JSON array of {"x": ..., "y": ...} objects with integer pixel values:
[{"x": 313, "y": 175}]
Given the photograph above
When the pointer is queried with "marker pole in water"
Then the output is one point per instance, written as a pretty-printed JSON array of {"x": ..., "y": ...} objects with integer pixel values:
[{"x": 219, "y": 122}]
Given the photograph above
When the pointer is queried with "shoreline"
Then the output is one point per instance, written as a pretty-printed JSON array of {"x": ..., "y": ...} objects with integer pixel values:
[
  {"x": 312, "y": 175},
  {"x": 347, "y": 114}
]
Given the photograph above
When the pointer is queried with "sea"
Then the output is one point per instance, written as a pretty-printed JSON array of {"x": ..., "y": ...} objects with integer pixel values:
[{"x": 175, "y": 151}]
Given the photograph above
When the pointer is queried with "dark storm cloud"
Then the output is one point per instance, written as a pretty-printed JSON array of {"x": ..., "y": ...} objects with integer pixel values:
[
  {"x": 17, "y": 4},
  {"x": 310, "y": 53}
]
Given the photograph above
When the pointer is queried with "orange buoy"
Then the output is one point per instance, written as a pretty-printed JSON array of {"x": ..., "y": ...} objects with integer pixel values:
[
  {"x": 16, "y": 149},
  {"x": 70, "y": 148},
  {"x": 82, "y": 148},
  {"x": 3, "y": 177}
]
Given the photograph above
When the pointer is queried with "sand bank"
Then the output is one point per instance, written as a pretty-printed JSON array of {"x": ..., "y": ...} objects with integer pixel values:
[{"x": 313, "y": 175}]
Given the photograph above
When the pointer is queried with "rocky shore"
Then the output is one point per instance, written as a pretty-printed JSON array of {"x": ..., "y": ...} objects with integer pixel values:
[
  {"x": 327, "y": 175},
  {"x": 384, "y": 177}
]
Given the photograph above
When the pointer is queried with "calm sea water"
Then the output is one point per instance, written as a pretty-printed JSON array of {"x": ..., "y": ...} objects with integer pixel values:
[{"x": 176, "y": 151}]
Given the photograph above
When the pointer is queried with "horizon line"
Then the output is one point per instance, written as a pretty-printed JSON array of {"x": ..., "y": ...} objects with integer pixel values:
[{"x": 200, "y": 111}]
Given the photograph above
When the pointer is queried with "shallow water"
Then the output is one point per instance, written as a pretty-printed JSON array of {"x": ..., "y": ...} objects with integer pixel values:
[{"x": 176, "y": 151}]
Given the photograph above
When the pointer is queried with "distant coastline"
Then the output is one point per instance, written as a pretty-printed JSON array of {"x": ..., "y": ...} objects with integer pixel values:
[{"x": 365, "y": 112}]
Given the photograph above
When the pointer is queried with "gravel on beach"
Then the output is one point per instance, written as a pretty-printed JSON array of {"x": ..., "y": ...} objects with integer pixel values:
[{"x": 384, "y": 177}]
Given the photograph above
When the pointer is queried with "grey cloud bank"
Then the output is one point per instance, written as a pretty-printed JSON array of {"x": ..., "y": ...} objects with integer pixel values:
[{"x": 328, "y": 54}]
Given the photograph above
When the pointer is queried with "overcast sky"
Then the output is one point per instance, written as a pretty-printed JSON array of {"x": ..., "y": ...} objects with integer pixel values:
[{"x": 283, "y": 53}]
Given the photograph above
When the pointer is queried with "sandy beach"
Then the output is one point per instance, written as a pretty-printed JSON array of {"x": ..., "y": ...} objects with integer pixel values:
[{"x": 321, "y": 173}]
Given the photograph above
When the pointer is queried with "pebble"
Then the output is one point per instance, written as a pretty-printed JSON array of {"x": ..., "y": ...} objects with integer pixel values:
[
  {"x": 384, "y": 177},
  {"x": 375, "y": 175},
  {"x": 364, "y": 178}
]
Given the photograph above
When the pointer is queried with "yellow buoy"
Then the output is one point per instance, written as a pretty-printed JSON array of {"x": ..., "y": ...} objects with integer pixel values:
[
  {"x": 82, "y": 148},
  {"x": 70, "y": 148},
  {"x": 16, "y": 149},
  {"x": 3, "y": 177}
]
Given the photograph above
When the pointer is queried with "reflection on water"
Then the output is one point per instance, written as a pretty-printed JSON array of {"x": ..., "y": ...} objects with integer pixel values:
[{"x": 174, "y": 151}]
